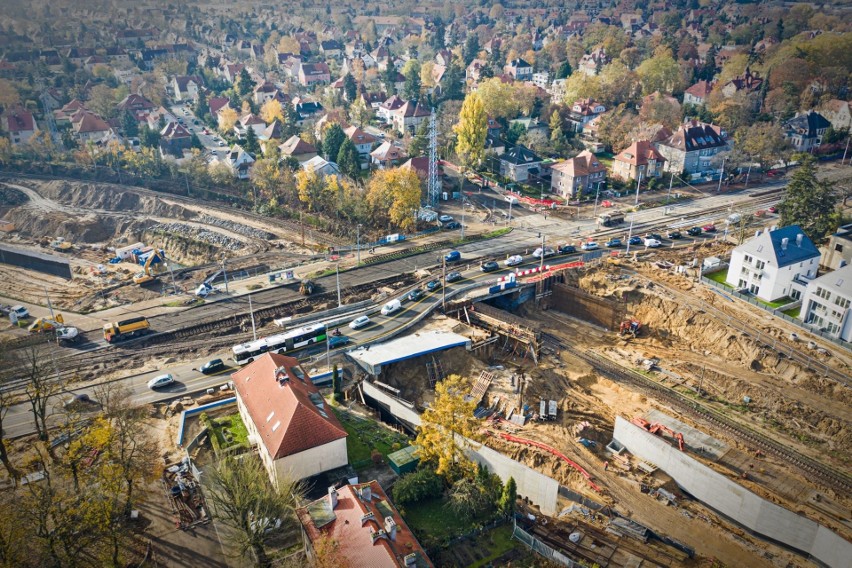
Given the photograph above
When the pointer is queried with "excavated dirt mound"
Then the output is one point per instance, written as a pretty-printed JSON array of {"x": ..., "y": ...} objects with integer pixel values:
[{"x": 110, "y": 198}]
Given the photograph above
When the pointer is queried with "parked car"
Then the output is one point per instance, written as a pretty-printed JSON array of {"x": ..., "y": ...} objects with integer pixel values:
[
  {"x": 452, "y": 225},
  {"x": 773, "y": 209},
  {"x": 433, "y": 285},
  {"x": 391, "y": 307},
  {"x": 337, "y": 341},
  {"x": 514, "y": 260},
  {"x": 212, "y": 366},
  {"x": 161, "y": 381},
  {"x": 654, "y": 236},
  {"x": 414, "y": 295},
  {"x": 445, "y": 218},
  {"x": 220, "y": 143},
  {"x": 613, "y": 243},
  {"x": 21, "y": 311},
  {"x": 694, "y": 231},
  {"x": 567, "y": 249},
  {"x": 489, "y": 266},
  {"x": 589, "y": 245},
  {"x": 674, "y": 235},
  {"x": 634, "y": 240},
  {"x": 547, "y": 252},
  {"x": 454, "y": 276},
  {"x": 359, "y": 322},
  {"x": 653, "y": 243},
  {"x": 453, "y": 256},
  {"x": 710, "y": 228}
]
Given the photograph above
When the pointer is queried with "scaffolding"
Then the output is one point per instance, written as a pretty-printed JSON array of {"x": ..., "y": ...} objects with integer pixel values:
[
  {"x": 434, "y": 181},
  {"x": 434, "y": 372}
]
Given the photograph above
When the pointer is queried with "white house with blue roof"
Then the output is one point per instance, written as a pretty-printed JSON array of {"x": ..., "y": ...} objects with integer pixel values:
[{"x": 774, "y": 264}]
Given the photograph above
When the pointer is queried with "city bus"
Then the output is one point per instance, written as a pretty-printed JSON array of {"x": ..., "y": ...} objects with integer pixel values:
[{"x": 286, "y": 342}]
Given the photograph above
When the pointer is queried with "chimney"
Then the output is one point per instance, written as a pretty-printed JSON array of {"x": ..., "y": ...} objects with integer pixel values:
[
  {"x": 332, "y": 498},
  {"x": 368, "y": 517},
  {"x": 784, "y": 242},
  {"x": 390, "y": 527},
  {"x": 366, "y": 493},
  {"x": 410, "y": 559},
  {"x": 799, "y": 238},
  {"x": 377, "y": 535},
  {"x": 281, "y": 375}
]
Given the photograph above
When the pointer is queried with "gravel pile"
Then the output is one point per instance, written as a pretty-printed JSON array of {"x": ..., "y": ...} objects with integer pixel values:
[
  {"x": 238, "y": 228},
  {"x": 199, "y": 234}
]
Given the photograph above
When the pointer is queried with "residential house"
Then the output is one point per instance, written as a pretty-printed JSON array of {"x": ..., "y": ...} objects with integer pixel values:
[
  {"x": 519, "y": 70},
  {"x": 387, "y": 108},
  {"x": 697, "y": 94},
  {"x": 290, "y": 65},
  {"x": 387, "y": 155},
  {"x": 492, "y": 127},
  {"x": 159, "y": 117},
  {"x": 320, "y": 166},
  {"x": 638, "y": 159},
  {"x": 91, "y": 62},
  {"x": 239, "y": 161},
  {"x": 774, "y": 264},
  {"x": 296, "y": 433},
  {"x": 264, "y": 92},
  {"x": 373, "y": 100},
  {"x": 592, "y": 62},
  {"x": 367, "y": 528},
  {"x": 837, "y": 112},
  {"x": 77, "y": 55},
  {"x": 217, "y": 103},
  {"x": 249, "y": 121},
  {"x": 438, "y": 72},
  {"x": 382, "y": 57},
  {"x": 692, "y": 147},
  {"x": 519, "y": 163},
  {"x": 396, "y": 86},
  {"x": 117, "y": 54},
  {"x": 137, "y": 105},
  {"x": 272, "y": 132},
  {"x": 583, "y": 112},
  {"x": 65, "y": 113},
  {"x": 541, "y": 80},
  {"x": 826, "y": 303},
  {"x": 52, "y": 98},
  {"x": 805, "y": 130},
  {"x": 20, "y": 125},
  {"x": 444, "y": 57},
  {"x": 231, "y": 72},
  {"x": 174, "y": 139},
  {"x": 839, "y": 248},
  {"x": 297, "y": 148},
  {"x": 748, "y": 82},
  {"x": 186, "y": 87},
  {"x": 474, "y": 70},
  {"x": 419, "y": 165},
  {"x": 306, "y": 110},
  {"x": 87, "y": 126},
  {"x": 407, "y": 117},
  {"x": 363, "y": 140},
  {"x": 581, "y": 174},
  {"x": 130, "y": 36},
  {"x": 311, "y": 74},
  {"x": 220, "y": 114},
  {"x": 331, "y": 48}
]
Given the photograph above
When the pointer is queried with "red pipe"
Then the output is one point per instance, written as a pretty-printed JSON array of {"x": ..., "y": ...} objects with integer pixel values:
[{"x": 553, "y": 451}]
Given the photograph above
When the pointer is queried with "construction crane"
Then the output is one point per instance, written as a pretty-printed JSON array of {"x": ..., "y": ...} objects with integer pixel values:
[
  {"x": 146, "y": 276},
  {"x": 630, "y": 327},
  {"x": 659, "y": 430}
]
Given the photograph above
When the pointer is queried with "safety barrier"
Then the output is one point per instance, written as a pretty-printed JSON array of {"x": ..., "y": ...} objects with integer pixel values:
[{"x": 197, "y": 410}]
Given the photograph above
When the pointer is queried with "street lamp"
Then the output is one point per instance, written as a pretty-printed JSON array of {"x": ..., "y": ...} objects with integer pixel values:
[
  {"x": 359, "y": 243},
  {"x": 225, "y": 274},
  {"x": 597, "y": 195},
  {"x": 638, "y": 184},
  {"x": 721, "y": 175},
  {"x": 541, "y": 258}
]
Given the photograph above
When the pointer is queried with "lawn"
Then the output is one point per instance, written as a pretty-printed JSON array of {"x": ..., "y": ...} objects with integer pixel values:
[
  {"x": 432, "y": 521},
  {"x": 366, "y": 435},
  {"x": 496, "y": 543},
  {"x": 718, "y": 276},
  {"x": 236, "y": 429},
  {"x": 793, "y": 312}
]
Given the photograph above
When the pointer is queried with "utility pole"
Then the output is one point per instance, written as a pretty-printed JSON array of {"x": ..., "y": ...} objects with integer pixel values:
[
  {"x": 49, "y": 307},
  {"x": 434, "y": 182},
  {"x": 444, "y": 283},
  {"x": 638, "y": 184},
  {"x": 359, "y": 244},
  {"x": 225, "y": 275},
  {"x": 302, "y": 226},
  {"x": 748, "y": 173},
  {"x": 721, "y": 175},
  {"x": 462, "y": 222},
  {"x": 629, "y": 234},
  {"x": 846, "y": 150},
  {"x": 669, "y": 196},
  {"x": 597, "y": 195},
  {"x": 541, "y": 258},
  {"x": 509, "y": 220},
  {"x": 251, "y": 314},
  {"x": 337, "y": 270}
]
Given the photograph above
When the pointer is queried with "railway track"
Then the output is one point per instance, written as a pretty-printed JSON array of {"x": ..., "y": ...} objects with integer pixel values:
[{"x": 812, "y": 469}]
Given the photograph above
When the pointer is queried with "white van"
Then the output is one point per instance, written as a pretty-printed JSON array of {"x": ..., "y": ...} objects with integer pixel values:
[
  {"x": 391, "y": 307},
  {"x": 21, "y": 312},
  {"x": 511, "y": 200}
]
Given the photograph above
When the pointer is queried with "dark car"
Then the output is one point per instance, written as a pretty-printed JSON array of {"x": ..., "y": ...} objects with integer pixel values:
[
  {"x": 433, "y": 285},
  {"x": 453, "y": 256},
  {"x": 694, "y": 231},
  {"x": 489, "y": 266},
  {"x": 711, "y": 228},
  {"x": 337, "y": 341},
  {"x": 212, "y": 366},
  {"x": 414, "y": 295},
  {"x": 674, "y": 235},
  {"x": 452, "y": 225},
  {"x": 634, "y": 240},
  {"x": 567, "y": 249},
  {"x": 613, "y": 243},
  {"x": 454, "y": 276},
  {"x": 654, "y": 236}
]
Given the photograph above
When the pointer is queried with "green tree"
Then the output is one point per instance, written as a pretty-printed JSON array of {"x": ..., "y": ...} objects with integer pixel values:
[
  {"x": 202, "y": 107},
  {"x": 471, "y": 130},
  {"x": 557, "y": 136},
  {"x": 148, "y": 137},
  {"x": 515, "y": 131},
  {"x": 196, "y": 142},
  {"x": 420, "y": 142},
  {"x": 129, "y": 124},
  {"x": 332, "y": 140},
  {"x": 348, "y": 160},
  {"x": 449, "y": 417},
  {"x": 453, "y": 82},
  {"x": 359, "y": 113},
  {"x": 350, "y": 88},
  {"x": 764, "y": 142},
  {"x": 411, "y": 71},
  {"x": 245, "y": 84},
  {"x": 810, "y": 203},
  {"x": 389, "y": 79},
  {"x": 564, "y": 70},
  {"x": 394, "y": 195},
  {"x": 421, "y": 485},
  {"x": 250, "y": 144},
  {"x": 470, "y": 49},
  {"x": 509, "y": 496},
  {"x": 659, "y": 73}
]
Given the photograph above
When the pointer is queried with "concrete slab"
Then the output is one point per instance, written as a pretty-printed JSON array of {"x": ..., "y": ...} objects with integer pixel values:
[{"x": 373, "y": 357}]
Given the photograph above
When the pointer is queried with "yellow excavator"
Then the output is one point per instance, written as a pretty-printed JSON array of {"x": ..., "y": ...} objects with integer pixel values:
[
  {"x": 146, "y": 277},
  {"x": 46, "y": 324}
]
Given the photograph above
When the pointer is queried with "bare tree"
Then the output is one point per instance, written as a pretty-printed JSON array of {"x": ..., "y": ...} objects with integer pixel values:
[
  {"x": 245, "y": 500},
  {"x": 5, "y": 402},
  {"x": 41, "y": 386}
]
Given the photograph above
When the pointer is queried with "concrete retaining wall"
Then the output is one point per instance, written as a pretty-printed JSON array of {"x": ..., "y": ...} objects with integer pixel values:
[
  {"x": 733, "y": 500},
  {"x": 396, "y": 406}
]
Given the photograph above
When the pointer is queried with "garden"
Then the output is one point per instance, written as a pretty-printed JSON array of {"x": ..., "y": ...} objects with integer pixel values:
[{"x": 368, "y": 440}]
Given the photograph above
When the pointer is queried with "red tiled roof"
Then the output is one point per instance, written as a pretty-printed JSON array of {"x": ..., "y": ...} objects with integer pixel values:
[
  {"x": 346, "y": 524},
  {"x": 358, "y": 136},
  {"x": 639, "y": 153},
  {"x": 419, "y": 165},
  {"x": 387, "y": 151},
  {"x": 20, "y": 119},
  {"x": 217, "y": 103},
  {"x": 85, "y": 121},
  {"x": 287, "y": 419},
  {"x": 700, "y": 89},
  {"x": 174, "y": 130},
  {"x": 582, "y": 164}
]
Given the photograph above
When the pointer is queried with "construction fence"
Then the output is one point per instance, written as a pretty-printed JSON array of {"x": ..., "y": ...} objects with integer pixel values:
[{"x": 542, "y": 549}]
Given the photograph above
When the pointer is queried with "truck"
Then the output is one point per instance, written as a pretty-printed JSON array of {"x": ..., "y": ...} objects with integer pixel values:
[
  {"x": 611, "y": 218},
  {"x": 126, "y": 329}
]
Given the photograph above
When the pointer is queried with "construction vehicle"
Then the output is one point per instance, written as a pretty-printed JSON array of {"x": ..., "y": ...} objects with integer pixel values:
[
  {"x": 147, "y": 261},
  {"x": 659, "y": 430},
  {"x": 611, "y": 218},
  {"x": 126, "y": 329},
  {"x": 61, "y": 245},
  {"x": 630, "y": 327},
  {"x": 307, "y": 287},
  {"x": 68, "y": 334},
  {"x": 46, "y": 324}
]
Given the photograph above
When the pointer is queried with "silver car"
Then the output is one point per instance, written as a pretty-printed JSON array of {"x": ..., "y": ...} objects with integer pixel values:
[{"x": 161, "y": 381}]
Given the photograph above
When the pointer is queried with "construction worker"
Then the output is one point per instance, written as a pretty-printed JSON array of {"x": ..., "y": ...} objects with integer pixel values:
[{"x": 606, "y": 466}]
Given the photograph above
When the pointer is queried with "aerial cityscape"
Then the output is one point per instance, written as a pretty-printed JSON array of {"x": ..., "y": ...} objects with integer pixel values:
[{"x": 425, "y": 284}]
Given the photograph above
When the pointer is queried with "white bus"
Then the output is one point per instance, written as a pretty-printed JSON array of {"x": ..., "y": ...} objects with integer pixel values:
[{"x": 292, "y": 340}]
